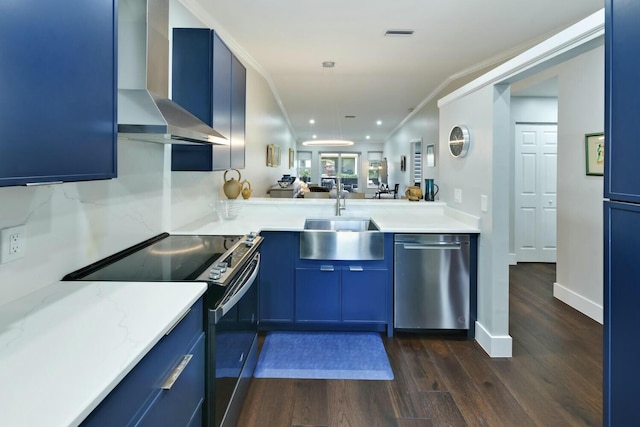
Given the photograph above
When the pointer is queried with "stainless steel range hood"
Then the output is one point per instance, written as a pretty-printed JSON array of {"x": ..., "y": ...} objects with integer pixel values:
[{"x": 144, "y": 111}]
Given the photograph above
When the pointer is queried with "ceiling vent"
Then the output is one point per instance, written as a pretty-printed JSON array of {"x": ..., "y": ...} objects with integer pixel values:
[
  {"x": 349, "y": 117},
  {"x": 399, "y": 33}
]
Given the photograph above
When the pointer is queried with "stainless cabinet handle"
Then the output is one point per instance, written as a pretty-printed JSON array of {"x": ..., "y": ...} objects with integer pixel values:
[
  {"x": 326, "y": 268},
  {"x": 355, "y": 268},
  {"x": 443, "y": 245},
  {"x": 175, "y": 374}
]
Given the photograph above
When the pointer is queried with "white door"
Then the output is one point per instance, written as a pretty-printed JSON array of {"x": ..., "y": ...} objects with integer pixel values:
[{"x": 535, "y": 192}]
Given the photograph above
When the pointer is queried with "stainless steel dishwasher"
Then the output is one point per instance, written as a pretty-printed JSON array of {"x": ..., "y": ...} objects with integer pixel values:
[{"x": 431, "y": 281}]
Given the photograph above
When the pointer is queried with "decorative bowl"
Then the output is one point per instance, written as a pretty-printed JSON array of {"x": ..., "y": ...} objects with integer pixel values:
[{"x": 227, "y": 209}]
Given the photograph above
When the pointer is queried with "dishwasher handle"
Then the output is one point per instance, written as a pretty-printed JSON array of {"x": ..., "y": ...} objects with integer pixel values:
[{"x": 428, "y": 246}]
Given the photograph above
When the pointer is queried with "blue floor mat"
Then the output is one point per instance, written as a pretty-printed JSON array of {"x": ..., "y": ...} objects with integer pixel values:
[{"x": 324, "y": 355}]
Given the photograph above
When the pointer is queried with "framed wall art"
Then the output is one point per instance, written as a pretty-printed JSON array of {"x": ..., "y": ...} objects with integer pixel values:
[
  {"x": 430, "y": 155},
  {"x": 594, "y": 153},
  {"x": 273, "y": 155}
]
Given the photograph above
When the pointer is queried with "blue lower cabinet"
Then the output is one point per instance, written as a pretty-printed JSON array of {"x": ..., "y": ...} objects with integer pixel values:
[
  {"x": 278, "y": 252},
  {"x": 318, "y": 294},
  {"x": 180, "y": 405},
  {"x": 139, "y": 399},
  {"x": 302, "y": 294},
  {"x": 621, "y": 320},
  {"x": 364, "y": 294},
  {"x": 341, "y": 293}
]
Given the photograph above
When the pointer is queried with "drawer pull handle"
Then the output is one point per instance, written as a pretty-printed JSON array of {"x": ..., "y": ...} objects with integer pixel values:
[
  {"x": 175, "y": 374},
  {"x": 355, "y": 268},
  {"x": 326, "y": 268}
]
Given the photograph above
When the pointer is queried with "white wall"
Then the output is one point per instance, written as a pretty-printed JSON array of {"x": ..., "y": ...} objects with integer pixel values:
[
  {"x": 423, "y": 125},
  {"x": 579, "y": 273},
  {"x": 74, "y": 224},
  {"x": 484, "y": 171}
]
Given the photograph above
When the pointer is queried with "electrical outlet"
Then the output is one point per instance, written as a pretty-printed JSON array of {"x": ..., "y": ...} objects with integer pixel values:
[
  {"x": 484, "y": 203},
  {"x": 457, "y": 195},
  {"x": 12, "y": 243}
]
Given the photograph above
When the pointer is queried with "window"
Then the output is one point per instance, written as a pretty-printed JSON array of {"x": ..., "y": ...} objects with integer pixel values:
[
  {"x": 304, "y": 166},
  {"x": 416, "y": 161},
  {"x": 374, "y": 173},
  {"x": 344, "y": 163}
]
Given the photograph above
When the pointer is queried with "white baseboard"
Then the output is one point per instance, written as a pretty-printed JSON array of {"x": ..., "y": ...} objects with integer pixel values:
[
  {"x": 494, "y": 345},
  {"x": 513, "y": 259},
  {"x": 580, "y": 303}
]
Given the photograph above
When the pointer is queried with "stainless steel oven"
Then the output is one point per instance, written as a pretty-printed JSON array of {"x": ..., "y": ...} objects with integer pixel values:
[{"x": 229, "y": 265}]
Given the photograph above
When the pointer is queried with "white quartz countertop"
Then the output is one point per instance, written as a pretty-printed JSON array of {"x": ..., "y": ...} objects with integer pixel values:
[
  {"x": 66, "y": 346},
  {"x": 392, "y": 216}
]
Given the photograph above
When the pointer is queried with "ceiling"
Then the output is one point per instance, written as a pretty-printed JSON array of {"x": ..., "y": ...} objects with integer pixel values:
[{"x": 377, "y": 77}]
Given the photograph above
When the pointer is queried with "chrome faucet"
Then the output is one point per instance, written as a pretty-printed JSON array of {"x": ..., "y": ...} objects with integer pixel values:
[{"x": 340, "y": 193}]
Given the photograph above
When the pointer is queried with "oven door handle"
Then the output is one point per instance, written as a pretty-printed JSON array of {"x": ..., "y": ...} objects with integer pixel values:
[{"x": 224, "y": 308}]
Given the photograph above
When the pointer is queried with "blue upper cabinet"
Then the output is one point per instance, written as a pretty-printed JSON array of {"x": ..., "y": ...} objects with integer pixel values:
[
  {"x": 622, "y": 68},
  {"x": 209, "y": 82},
  {"x": 238, "y": 115},
  {"x": 58, "y": 89}
]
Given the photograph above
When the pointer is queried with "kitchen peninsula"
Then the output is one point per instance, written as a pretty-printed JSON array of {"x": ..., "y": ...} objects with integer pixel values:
[{"x": 392, "y": 216}]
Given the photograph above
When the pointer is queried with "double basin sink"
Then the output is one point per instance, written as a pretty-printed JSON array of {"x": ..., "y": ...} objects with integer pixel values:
[{"x": 341, "y": 238}]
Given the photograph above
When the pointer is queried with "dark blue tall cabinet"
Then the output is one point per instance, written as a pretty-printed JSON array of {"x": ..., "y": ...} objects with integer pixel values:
[
  {"x": 58, "y": 91},
  {"x": 622, "y": 214},
  {"x": 210, "y": 82}
]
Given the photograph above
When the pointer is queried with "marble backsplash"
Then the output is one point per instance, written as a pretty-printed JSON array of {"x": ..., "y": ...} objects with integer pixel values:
[{"x": 70, "y": 225}]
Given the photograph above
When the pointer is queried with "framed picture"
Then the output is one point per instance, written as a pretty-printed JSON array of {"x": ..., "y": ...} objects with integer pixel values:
[
  {"x": 403, "y": 163},
  {"x": 594, "y": 153},
  {"x": 273, "y": 155},
  {"x": 430, "y": 155},
  {"x": 291, "y": 159}
]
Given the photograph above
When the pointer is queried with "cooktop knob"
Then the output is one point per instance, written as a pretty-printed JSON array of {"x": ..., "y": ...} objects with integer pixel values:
[
  {"x": 222, "y": 266},
  {"x": 214, "y": 273}
]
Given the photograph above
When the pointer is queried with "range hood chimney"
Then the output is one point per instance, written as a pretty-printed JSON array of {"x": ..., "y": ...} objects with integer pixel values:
[{"x": 145, "y": 112}]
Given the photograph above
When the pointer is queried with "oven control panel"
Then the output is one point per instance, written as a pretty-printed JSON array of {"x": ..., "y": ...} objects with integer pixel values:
[{"x": 231, "y": 262}]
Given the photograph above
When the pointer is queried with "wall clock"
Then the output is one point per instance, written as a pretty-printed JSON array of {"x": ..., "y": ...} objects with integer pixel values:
[{"x": 459, "y": 141}]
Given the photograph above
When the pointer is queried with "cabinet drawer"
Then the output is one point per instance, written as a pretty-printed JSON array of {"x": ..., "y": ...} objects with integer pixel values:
[
  {"x": 179, "y": 405},
  {"x": 132, "y": 395}
]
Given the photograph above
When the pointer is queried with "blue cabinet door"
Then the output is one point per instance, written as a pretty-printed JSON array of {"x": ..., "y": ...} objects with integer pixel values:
[
  {"x": 622, "y": 106},
  {"x": 238, "y": 108},
  {"x": 191, "y": 88},
  {"x": 621, "y": 322},
  {"x": 210, "y": 82},
  {"x": 364, "y": 294},
  {"x": 278, "y": 252},
  {"x": 318, "y": 294},
  {"x": 140, "y": 391},
  {"x": 221, "y": 101},
  {"x": 58, "y": 91}
]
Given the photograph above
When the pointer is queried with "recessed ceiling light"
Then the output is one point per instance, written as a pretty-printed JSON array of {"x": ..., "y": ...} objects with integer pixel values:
[
  {"x": 379, "y": 122},
  {"x": 328, "y": 64},
  {"x": 314, "y": 136},
  {"x": 328, "y": 142},
  {"x": 312, "y": 121},
  {"x": 367, "y": 137}
]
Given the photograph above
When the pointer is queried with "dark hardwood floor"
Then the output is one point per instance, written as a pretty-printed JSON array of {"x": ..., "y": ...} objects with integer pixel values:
[{"x": 553, "y": 379}]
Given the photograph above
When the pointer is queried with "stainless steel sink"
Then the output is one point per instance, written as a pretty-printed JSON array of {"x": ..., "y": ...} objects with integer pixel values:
[
  {"x": 341, "y": 238},
  {"x": 341, "y": 224}
]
